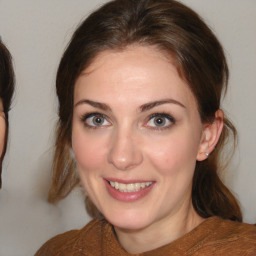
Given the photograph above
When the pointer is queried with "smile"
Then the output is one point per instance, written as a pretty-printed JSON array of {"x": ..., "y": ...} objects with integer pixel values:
[
  {"x": 131, "y": 187},
  {"x": 128, "y": 191}
]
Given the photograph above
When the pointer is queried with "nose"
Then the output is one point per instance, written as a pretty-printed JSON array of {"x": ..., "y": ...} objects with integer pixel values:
[{"x": 125, "y": 152}]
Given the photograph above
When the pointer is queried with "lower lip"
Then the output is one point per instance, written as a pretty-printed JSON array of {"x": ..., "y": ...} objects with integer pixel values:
[{"x": 128, "y": 196}]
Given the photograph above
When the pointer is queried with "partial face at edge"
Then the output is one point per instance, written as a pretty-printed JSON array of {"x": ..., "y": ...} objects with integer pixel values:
[
  {"x": 136, "y": 136},
  {"x": 2, "y": 128}
]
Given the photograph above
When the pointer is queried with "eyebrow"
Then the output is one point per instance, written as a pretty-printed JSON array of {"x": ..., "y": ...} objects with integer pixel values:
[
  {"x": 143, "y": 108},
  {"x": 150, "y": 105},
  {"x": 95, "y": 104}
]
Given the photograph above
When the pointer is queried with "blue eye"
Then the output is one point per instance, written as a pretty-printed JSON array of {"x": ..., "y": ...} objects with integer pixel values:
[
  {"x": 160, "y": 120},
  {"x": 95, "y": 120}
]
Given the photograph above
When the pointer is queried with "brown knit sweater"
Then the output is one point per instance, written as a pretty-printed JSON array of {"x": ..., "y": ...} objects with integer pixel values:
[{"x": 214, "y": 236}]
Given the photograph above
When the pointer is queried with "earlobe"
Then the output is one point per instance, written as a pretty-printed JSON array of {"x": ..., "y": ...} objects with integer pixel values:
[{"x": 210, "y": 136}]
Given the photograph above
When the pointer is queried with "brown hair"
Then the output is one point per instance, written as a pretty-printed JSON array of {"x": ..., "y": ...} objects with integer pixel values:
[
  {"x": 6, "y": 89},
  {"x": 180, "y": 33}
]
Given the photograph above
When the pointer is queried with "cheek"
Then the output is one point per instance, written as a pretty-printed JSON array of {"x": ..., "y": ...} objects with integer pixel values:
[
  {"x": 173, "y": 154},
  {"x": 89, "y": 150}
]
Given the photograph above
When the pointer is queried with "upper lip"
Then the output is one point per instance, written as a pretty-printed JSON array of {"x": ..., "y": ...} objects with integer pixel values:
[{"x": 127, "y": 181}]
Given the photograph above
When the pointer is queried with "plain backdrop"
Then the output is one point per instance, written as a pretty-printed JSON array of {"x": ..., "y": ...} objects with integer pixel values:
[{"x": 36, "y": 33}]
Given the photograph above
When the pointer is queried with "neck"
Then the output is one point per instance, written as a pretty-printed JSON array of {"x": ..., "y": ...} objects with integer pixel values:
[{"x": 159, "y": 233}]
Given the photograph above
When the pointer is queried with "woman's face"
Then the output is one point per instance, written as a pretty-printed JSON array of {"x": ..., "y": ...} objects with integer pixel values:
[
  {"x": 136, "y": 137},
  {"x": 2, "y": 129}
]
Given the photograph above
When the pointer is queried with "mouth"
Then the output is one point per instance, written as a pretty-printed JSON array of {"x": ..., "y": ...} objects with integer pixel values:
[
  {"x": 128, "y": 190},
  {"x": 130, "y": 187}
]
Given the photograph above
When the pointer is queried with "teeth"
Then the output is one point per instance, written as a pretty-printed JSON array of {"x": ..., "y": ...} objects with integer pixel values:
[{"x": 132, "y": 187}]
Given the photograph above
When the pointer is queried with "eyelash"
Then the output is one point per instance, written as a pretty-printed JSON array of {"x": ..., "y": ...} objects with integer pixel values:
[
  {"x": 86, "y": 116},
  {"x": 161, "y": 115}
]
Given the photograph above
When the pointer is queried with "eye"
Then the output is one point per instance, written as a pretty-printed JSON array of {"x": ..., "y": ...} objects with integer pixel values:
[
  {"x": 94, "y": 120},
  {"x": 160, "y": 120}
]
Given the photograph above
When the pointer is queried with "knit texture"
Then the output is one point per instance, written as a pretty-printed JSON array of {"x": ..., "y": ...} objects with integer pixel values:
[{"x": 214, "y": 236}]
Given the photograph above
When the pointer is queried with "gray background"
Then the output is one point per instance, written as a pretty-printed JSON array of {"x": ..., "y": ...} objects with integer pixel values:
[{"x": 36, "y": 33}]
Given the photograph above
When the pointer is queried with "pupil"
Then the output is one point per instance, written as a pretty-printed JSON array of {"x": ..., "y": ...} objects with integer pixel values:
[
  {"x": 159, "y": 121},
  {"x": 97, "y": 120}
]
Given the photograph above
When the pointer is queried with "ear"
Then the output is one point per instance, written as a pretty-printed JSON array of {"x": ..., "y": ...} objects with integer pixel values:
[{"x": 210, "y": 136}]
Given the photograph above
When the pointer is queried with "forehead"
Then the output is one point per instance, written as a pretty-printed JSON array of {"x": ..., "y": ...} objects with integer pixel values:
[
  {"x": 135, "y": 54},
  {"x": 137, "y": 72}
]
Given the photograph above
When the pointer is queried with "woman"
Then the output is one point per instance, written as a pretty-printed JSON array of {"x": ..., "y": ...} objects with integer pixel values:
[
  {"x": 139, "y": 91},
  {"x": 6, "y": 92}
]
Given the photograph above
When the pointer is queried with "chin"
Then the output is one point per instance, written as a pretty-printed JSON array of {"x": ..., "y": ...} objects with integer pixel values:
[{"x": 131, "y": 220}]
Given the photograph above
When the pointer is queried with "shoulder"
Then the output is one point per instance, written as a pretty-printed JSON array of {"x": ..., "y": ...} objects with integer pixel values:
[
  {"x": 231, "y": 238},
  {"x": 74, "y": 241},
  {"x": 236, "y": 230}
]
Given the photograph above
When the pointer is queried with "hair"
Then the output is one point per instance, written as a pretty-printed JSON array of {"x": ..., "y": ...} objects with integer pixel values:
[
  {"x": 6, "y": 90},
  {"x": 180, "y": 33}
]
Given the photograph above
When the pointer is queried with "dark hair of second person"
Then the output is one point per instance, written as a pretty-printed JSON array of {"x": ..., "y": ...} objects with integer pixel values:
[{"x": 6, "y": 93}]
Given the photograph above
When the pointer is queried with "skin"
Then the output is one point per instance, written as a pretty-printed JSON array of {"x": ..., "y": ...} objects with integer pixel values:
[
  {"x": 128, "y": 145},
  {"x": 2, "y": 128}
]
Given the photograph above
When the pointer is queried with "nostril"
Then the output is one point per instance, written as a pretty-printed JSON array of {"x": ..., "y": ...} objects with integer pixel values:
[{"x": 124, "y": 153}]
